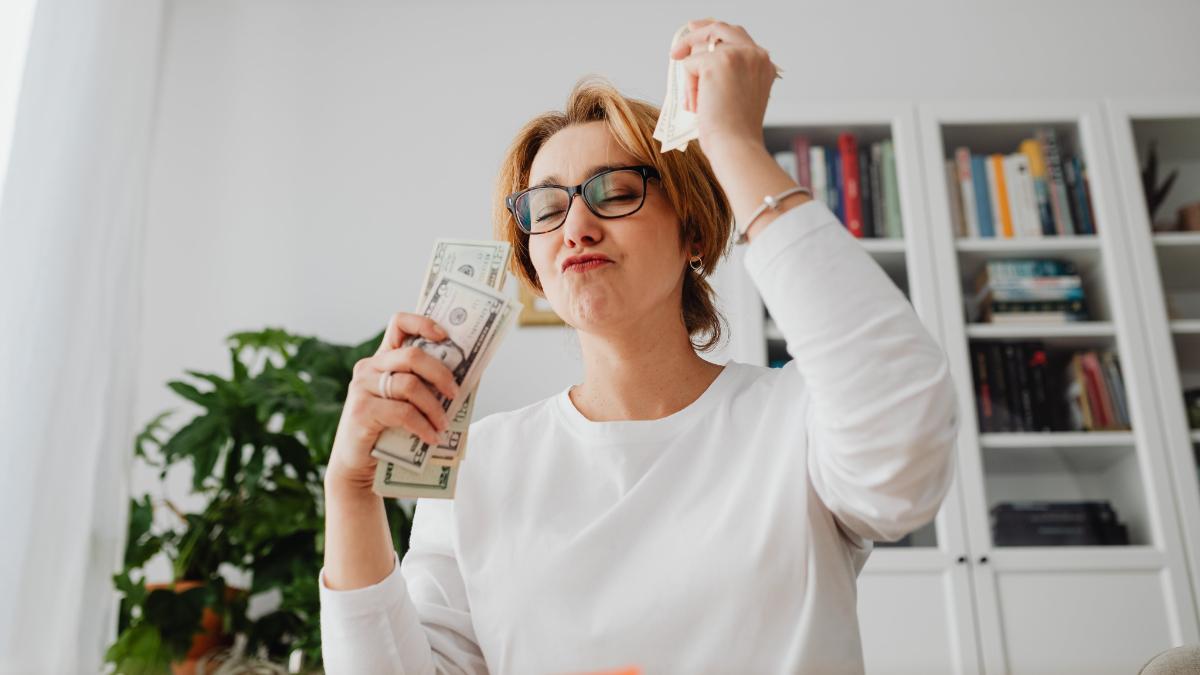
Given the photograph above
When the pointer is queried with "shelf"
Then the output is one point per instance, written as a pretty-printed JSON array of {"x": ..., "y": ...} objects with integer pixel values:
[
  {"x": 1186, "y": 327},
  {"x": 1076, "y": 334},
  {"x": 879, "y": 246},
  {"x": 1032, "y": 246},
  {"x": 1195, "y": 434},
  {"x": 1177, "y": 239},
  {"x": 1057, "y": 439}
]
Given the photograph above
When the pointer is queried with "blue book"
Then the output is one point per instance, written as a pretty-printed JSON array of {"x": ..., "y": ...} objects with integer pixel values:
[
  {"x": 983, "y": 200},
  {"x": 833, "y": 181},
  {"x": 1083, "y": 205}
]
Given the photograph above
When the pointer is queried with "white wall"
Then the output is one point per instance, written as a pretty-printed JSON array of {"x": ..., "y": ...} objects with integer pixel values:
[{"x": 307, "y": 153}]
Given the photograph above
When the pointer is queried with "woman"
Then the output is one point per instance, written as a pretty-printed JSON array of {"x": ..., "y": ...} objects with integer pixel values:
[{"x": 666, "y": 513}]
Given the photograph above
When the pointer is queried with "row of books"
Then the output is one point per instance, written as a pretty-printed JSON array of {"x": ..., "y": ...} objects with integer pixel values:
[
  {"x": 1023, "y": 386},
  {"x": 856, "y": 181},
  {"x": 1027, "y": 290},
  {"x": 1036, "y": 191},
  {"x": 1044, "y": 523}
]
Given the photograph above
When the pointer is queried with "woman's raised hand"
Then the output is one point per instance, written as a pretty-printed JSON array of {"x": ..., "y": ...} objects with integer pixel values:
[
  {"x": 413, "y": 406},
  {"x": 728, "y": 87}
]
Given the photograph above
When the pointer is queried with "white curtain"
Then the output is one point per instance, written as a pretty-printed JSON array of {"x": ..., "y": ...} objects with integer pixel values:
[{"x": 71, "y": 232}]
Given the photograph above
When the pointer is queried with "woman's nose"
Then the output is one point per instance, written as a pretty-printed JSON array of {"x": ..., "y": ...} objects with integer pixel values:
[{"x": 582, "y": 227}]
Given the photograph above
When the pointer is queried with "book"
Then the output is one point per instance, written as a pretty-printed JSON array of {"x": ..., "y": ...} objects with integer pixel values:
[
  {"x": 1003, "y": 210},
  {"x": 851, "y": 196},
  {"x": 1016, "y": 213},
  {"x": 816, "y": 165},
  {"x": 983, "y": 392},
  {"x": 1116, "y": 386},
  {"x": 1059, "y": 200},
  {"x": 833, "y": 182},
  {"x": 877, "y": 189},
  {"x": 983, "y": 199},
  {"x": 1081, "y": 208},
  {"x": 954, "y": 191},
  {"x": 891, "y": 192},
  {"x": 1026, "y": 198},
  {"x": 1000, "y": 396},
  {"x": 868, "y": 195},
  {"x": 1037, "y": 169},
  {"x": 964, "y": 195}
]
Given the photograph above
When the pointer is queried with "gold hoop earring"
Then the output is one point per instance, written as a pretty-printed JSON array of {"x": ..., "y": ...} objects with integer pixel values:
[{"x": 696, "y": 264}]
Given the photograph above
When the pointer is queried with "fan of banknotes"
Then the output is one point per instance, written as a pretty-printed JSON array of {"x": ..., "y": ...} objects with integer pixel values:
[{"x": 463, "y": 293}]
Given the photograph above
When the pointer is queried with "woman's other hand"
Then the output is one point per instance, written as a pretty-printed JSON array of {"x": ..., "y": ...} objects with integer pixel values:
[{"x": 728, "y": 87}]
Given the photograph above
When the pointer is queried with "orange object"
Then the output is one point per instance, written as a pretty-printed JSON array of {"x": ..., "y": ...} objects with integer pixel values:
[{"x": 1002, "y": 196}]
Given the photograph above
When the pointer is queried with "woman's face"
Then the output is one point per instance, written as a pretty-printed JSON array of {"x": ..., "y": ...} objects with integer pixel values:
[{"x": 645, "y": 276}]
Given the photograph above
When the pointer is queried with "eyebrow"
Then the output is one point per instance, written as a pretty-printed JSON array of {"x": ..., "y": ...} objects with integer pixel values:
[{"x": 555, "y": 180}]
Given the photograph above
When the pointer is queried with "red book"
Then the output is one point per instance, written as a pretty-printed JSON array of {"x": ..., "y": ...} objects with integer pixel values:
[{"x": 848, "y": 147}]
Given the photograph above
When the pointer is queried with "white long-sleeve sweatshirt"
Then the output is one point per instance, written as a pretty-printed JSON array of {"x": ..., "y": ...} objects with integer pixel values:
[{"x": 724, "y": 538}]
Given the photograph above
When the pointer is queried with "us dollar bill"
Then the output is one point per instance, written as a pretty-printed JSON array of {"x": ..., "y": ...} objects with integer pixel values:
[
  {"x": 434, "y": 481},
  {"x": 473, "y": 315},
  {"x": 676, "y": 126},
  {"x": 483, "y": 261}
]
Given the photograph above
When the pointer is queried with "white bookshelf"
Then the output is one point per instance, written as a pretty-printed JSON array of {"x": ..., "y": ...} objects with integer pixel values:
[
  {"x": 1166, "y": 266},
  {"x": 970, "y": 606},
  {"x": 1024, "y": 594}
]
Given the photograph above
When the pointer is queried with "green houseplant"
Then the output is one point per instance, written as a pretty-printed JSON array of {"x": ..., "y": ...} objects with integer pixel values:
[{"x": 257, "y": 448}]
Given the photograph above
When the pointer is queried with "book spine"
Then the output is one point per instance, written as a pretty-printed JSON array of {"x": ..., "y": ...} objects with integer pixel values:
[
  {"x": 1028, "y": 197},
  {"x": 820, "y": 188},
  {"x": 865, "y": 189},
  {"x": 1078, "y": 391},
  {"x": 1036, "y": 363},
  {"x": 1013, "y": 379},
  {"x": 891, "y": 192},
  {"x": 848, "y": 148},
  {"x": 834, "y": 183},
  {"x": 1037, "y": 168},
  {"x": 1023, "y": 386},
  {"x": 1116, "y": 384},
  {"x": 966, "y": 192},
  {"x": 983, "y": 394},
  {"x": 1095, "y": 389},
  {"x": 1081, "y": 198},
  {"x": 1002, "y": 211},
  {"x": 877, "y": 189},
  {"x": 983, "y": 199},
  {"x": 1000, "y": 390},
  {"x": 957, "y": 218},
  {"x": 1087, "y": 195},
  {"x": 1004, "y": 270},
  {"x": 1059, "y": 200},
  {"x": 1020, "y": 227}
]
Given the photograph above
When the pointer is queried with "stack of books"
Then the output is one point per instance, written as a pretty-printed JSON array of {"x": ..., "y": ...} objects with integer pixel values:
[
  {"x": 1036, "y": 290},
  {"x": 1083, "y": 523},
  {"x": 856, "y": 181},
  {"x": 1033, "y": 192},
  {"x": 1022, "y": 386}
]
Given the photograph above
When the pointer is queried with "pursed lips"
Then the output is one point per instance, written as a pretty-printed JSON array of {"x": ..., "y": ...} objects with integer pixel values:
[{"x": 587, "y": 264}]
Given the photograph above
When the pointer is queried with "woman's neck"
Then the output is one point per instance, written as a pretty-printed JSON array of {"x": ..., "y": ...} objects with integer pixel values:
[{"x": 640, "y": 375}]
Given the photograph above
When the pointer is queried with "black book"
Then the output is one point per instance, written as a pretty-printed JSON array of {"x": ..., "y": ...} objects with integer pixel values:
[
  {"x": 1024, "y": 388},
  {"x": 1012, "y": 366},
  {"x": 1000, "y": 407},
  {"x": 1036, "y": 361},
  {"x": 870, "y": 227},
  {"x": 983, "y": 394}
]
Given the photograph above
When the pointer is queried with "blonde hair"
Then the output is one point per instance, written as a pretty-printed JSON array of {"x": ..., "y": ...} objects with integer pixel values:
[{"x": 704, "y": 213}]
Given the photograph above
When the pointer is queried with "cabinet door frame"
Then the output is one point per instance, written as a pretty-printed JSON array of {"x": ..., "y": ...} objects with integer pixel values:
[{"x": 1177, "y": 441}]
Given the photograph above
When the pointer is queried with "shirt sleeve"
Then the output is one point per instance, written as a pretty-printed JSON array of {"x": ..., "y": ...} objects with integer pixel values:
[
  {"x": 881, "y": 412},
  {"x": 416, "y": 620}
]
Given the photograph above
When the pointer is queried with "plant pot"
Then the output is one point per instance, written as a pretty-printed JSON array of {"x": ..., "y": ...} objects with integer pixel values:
[{"x": 210, "y": 637}]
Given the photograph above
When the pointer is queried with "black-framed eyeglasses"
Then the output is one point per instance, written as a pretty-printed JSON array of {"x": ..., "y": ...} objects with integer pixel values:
[{"x": 613, "y": 193}]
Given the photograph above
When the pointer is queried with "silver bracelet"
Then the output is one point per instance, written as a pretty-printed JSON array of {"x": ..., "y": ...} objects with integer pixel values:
[{"x": 769, "y": 202}]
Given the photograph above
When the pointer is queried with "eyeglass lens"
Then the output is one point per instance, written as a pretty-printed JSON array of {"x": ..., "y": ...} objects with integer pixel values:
[{"x": 611, "y": 195}]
